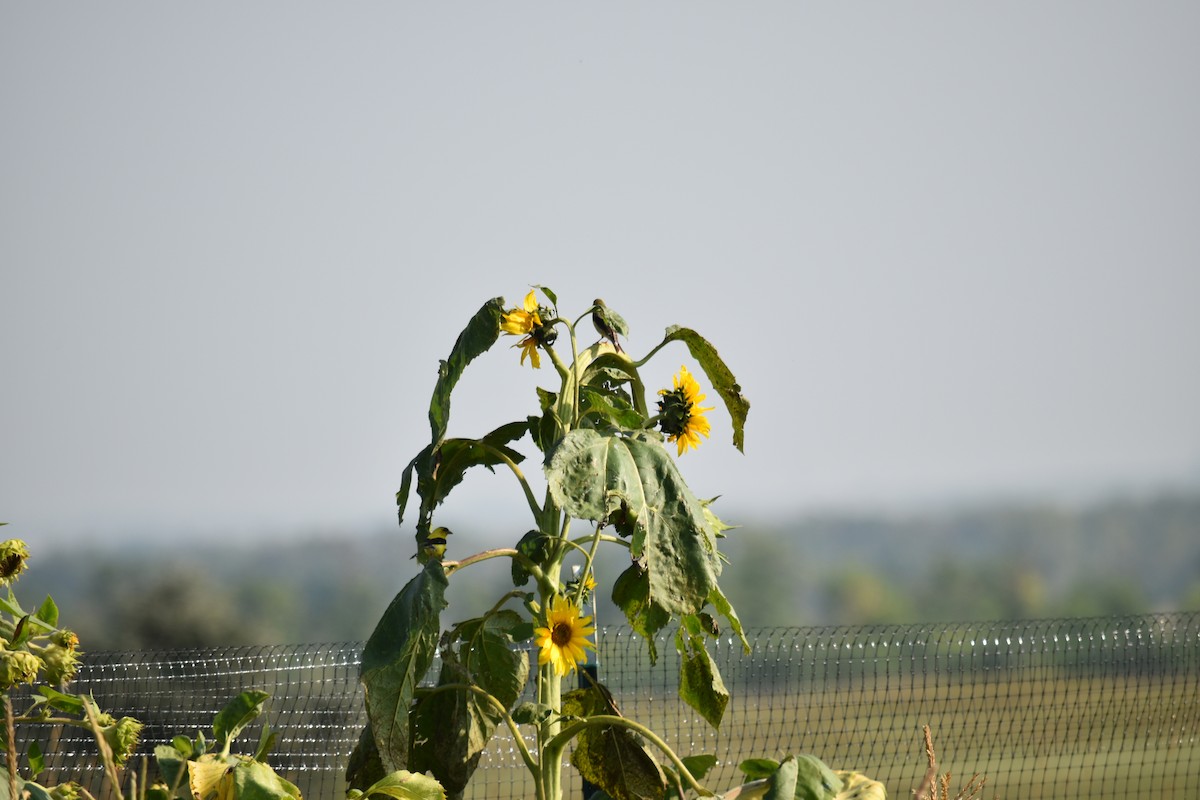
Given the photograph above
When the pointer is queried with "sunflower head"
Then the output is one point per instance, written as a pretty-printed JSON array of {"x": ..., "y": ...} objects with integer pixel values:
[
  {"x": 680, "y": 415},
  {"x": 563, "y": 640},
  {"x": 527, "y": 321}
]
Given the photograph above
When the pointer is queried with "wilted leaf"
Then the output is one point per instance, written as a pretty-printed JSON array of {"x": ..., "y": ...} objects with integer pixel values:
[
  {"x": 534, "y": 545},
  {"x": 440, "y": 467},
  {"x": 719, "y": 375},
  {"x": 480, "y": 334},
  {"x": 610, "y": 756},
  {"x": 631, "y": 593},
  {"x": 397, "y": 656},
  {"x": 700, "y": 684},
  {"x": 451, "y": 728},
  {"x": 592, "y": 475},
  {"x": 404, "y": 785},
  {"x": 237, "y": 778}
]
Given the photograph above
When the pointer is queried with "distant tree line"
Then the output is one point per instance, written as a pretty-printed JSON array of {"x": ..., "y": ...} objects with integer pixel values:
[{"x": 1002, "y": 562}]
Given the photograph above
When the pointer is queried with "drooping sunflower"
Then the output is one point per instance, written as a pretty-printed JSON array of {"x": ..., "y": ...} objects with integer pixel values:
[
  {"x": 564, "y": 638},
  {"x": 527, "y": 322},
  {"x": 681, "y": 416}
]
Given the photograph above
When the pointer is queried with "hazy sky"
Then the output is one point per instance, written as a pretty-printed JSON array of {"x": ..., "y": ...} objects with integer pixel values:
[{"x": 951, "y": 250}]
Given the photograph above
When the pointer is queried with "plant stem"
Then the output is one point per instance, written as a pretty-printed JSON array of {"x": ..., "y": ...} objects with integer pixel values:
[
  {"x": 642, "y": 361},
  {"x": 499, "y": 552},
  {"x": 587, "y": 567},
  {"x": 106, "y": 753},
  {"x": 10, "y": 731}
]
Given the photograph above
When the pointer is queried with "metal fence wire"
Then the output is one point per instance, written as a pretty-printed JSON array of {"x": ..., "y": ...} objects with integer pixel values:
[{"x": 1066, "y": 708}]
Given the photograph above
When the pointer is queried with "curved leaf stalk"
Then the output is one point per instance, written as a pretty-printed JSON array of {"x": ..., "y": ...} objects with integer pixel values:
[
  {"x": 512, "y": 465},
  {"x": 499, "y": 552},
  {"x": 530, "y": 762},
  {"x": 559, "y": 366},
  {"x": 587, "y": 567},
  {"x": 554, "y": 748}
]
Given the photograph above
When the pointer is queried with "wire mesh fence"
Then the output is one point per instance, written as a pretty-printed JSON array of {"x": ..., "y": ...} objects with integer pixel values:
[{"x": 1067, "y": 708}]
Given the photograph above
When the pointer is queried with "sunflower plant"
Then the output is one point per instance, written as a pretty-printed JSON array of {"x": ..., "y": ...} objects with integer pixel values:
[{"x": 610, "y": 456}]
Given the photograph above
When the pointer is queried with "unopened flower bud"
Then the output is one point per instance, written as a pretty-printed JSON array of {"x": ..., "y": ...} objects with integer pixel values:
[
  {"x": 65, "y": 638},
  {"x": 122, "y": 738},
  {"x": 61, "y": 664},
  {"x": 18, "y": 666},
  {"x": 67, "y": 791},
  {"x": 13, "y": 553}
]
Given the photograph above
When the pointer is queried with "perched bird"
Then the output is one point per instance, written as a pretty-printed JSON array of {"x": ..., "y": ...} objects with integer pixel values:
[
  {"x": 608, "y": 323},
  {"x": 434, "y": 545}
]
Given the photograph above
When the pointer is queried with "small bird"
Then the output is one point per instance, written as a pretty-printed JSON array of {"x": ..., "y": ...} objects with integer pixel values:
[
  {"x": 608, "y": 323},
  {"x": 434, "y": 545}
]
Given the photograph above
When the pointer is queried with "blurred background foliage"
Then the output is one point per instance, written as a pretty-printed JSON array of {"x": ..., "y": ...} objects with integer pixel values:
[{"x": 999, "y": 561}]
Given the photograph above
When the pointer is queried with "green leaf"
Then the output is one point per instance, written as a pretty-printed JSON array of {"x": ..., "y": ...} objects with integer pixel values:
[
  {"x": 266, "y": 740},
  {"x": 782, "y": 784},
  {"x": 26, "y": 790},
  {"x": 364, "y": 766},
  {"x": 699, "y": 765},
  {"x": 480, "y": 334},
  {"x": 440, "y": 467},
  {"x": 37, "y": 762},
  {"x": 240, "y": 712},
  {"x": 593, "y": 475},
  {"x": 450, "y": 729},
  {"x": 550, "y": 294},
  {"x": 546, "y": 429},
  {"x": 420, "y": 462},
  {"x": 48, "y": 612},
  {"x": 758, "y": 768},
  {"x": 529, "y": 713},
  {"x": 631, "y": 593},
  {"x": 700, "y": 684},
  {"x": 610, "y": 756},
  {"x": 610, "y": 406},
  {"x": 397, "y": 655},
  {"x": 725, "y": 608},
  {"x": 404, "y": 785},
  {"x": 719, "y": 376},
  {"x": 815, "y": 780},
  {"x": 69, "y": 703},
  {"x": 10, "y": 604},
  {"x": 535, "y": 546},
  {"x": 172, "y": 764}
]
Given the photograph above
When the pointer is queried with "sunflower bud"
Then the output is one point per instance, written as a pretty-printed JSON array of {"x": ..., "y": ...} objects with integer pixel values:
[
  {"x": 61, "y": 663},
  {"x": 67, "y": 791},
  {"x": 13, "y": 553},
  {"x": 122, "y": 738},
  {"x": 65, "y": 638},
  {"x": 18, "y": 666}
]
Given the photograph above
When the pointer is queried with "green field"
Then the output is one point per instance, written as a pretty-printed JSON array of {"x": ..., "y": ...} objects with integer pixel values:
[{"x": 1031, "y": 739}]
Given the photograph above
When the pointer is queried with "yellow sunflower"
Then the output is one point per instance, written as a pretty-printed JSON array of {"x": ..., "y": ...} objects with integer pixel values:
[
  {"x": 527, "y": 322},
  {"x": 681, "y": 416},
  {"x": 520, "y": 322},
  {"x": 564, "y": 638}
]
